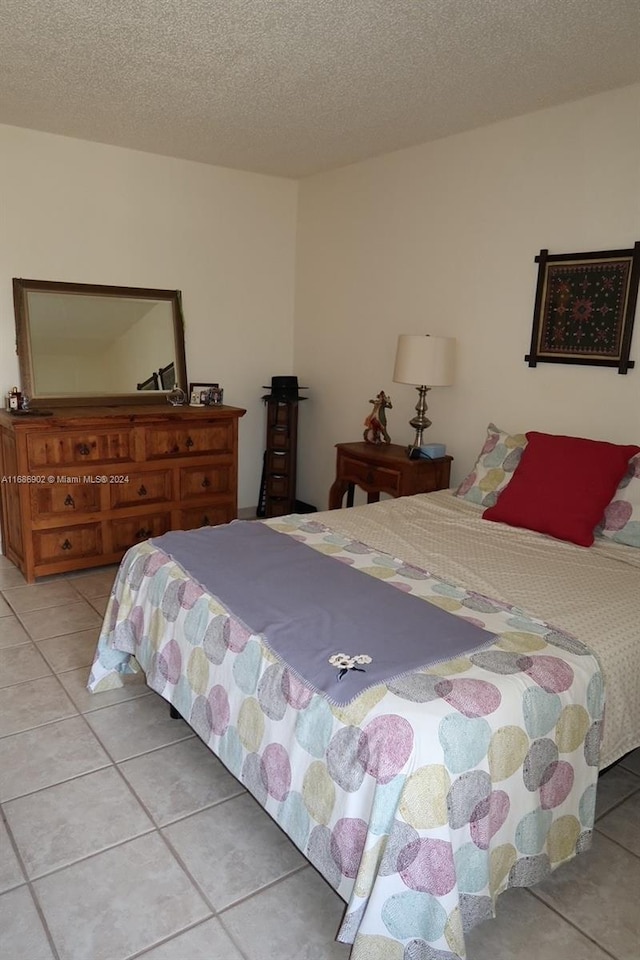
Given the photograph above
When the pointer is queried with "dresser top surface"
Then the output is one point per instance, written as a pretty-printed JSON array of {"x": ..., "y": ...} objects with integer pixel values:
[{"x": 60, "y": 417}]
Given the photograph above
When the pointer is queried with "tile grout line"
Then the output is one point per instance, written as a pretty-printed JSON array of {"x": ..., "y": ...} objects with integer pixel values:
[
  {"x": 79, "y": 714},
  {"x": 219, "y": 913},
  {"x": 46, "y": 723},
  {"x": 587, "y": 936},
  {"x": 41, "y": 676},
  {"x": 29, "y": 885},
  {"x": 617, "y": 842},
  {"x": 615, "y": 805},
  {"x": 96, "y": 853},
  {"x": 208, "y": 806},
  {"x": 77, "y": 776},
  {"x": 139, "y": 696},
  {"x": 142, "y": 954},
  {"x": 268, "y": 886},
  {"x": 154, "y": 828},
  {"x": 171, "y": 823},
  {"x": 176, "y": 856}
]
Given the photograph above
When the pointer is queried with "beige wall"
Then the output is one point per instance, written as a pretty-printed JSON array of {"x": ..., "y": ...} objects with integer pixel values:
[
  {"x": 441, "y": 239},
  {"x": 90, "y": 213}
]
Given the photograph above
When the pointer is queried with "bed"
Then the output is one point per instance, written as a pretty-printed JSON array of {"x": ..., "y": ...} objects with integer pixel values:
[{"x": 426, "y": 796}]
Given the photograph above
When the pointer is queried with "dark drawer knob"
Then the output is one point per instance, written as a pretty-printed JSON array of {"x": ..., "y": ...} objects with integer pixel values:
[
  {"x": 143, "y": 534},
  {"x": 66, "y": 545},
  {"x": 205, "y": 482},
  {"x": 205, "y": 521},
  {"x": 370, "y": 477},
  {"x": 83, "y": 449},
  {"x": 142, "y": 490},
  {"x": 69, "y": 501},
  {"x": 189, "y": 442},
  {"x": 175, "y": 448}
]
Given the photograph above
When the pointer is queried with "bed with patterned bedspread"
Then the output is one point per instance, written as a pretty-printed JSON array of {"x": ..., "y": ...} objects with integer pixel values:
[{"x": 430, "y": 794}]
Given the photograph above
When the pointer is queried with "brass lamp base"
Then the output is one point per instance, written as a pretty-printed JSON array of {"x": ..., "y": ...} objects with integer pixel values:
[{"x": 420, "y": 422}]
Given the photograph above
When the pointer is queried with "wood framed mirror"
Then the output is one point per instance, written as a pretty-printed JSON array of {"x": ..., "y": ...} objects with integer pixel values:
[{"x": 82, "y": 344}]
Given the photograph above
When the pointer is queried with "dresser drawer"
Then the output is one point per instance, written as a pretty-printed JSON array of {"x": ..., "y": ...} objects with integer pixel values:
[
  {"x": 150, "y": 486},
  {"x": 188, "y": 440},
  {"x": 126, "y": 531},
  {"x": 78, "y": 448},
  {"x": 63, "y": 499},
  {"x": 67, "y": 543},
  {"x": 368, "y": 475},
  {"x": 206, "y": 516},
  {"x": 202, "y": 481}
]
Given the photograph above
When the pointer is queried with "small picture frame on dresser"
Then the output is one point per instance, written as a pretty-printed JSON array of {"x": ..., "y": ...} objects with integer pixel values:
[{"x": 204, "y": 394}]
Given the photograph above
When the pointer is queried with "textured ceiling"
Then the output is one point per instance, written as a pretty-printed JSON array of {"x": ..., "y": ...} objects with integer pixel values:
[{"x": 293, "y": 87}]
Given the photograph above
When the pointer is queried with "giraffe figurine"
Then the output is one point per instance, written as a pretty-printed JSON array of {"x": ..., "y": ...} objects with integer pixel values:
[{"x": 376, "y": 422}]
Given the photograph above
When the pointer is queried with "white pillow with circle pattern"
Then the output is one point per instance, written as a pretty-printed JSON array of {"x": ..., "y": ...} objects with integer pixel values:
[
  {"x": 621, "y": 521},
  {"x": 494, "y": 467}
]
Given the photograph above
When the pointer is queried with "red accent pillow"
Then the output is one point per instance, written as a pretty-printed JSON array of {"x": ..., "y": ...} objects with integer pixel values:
[{"x": 562, "y": 485}]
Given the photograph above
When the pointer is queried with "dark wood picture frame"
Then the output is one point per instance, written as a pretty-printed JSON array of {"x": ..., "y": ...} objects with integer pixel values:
[
  {"x": 112, "y": 297},
  {"x": 203, "y": 391},
  {"x": 585, "y": 307}
]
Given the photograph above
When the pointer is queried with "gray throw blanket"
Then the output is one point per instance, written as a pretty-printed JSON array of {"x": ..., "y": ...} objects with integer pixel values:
[{"x": 308, "y": 608}]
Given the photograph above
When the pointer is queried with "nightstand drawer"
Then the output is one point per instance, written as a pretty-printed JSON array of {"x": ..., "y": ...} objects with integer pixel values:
[{"x": 368, "y": 475}]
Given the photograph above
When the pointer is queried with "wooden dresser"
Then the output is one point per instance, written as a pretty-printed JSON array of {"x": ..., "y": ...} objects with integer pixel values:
[{"x": 82, "y": 486}]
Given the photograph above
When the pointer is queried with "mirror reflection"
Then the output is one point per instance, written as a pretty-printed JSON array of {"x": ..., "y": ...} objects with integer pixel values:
[{"x": 86, "y": 342}]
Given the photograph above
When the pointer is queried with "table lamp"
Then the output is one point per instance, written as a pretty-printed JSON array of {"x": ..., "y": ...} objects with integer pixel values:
[{"x": 425, "y": 362}]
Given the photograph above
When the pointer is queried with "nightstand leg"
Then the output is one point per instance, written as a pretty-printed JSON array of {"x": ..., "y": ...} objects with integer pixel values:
[
  {"x": 336, "y": 493},
  {"x": 350, "y": 492}
]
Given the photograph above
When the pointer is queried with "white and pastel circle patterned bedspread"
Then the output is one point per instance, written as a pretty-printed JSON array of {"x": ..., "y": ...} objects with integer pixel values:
[{"x": 420, "y": 801}]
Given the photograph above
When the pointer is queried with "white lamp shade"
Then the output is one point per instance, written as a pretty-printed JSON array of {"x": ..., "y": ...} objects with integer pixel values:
[{"x": 425, "y": 360}]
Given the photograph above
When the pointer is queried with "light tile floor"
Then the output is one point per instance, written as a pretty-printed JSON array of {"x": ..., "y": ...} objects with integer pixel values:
[{"x": 123, "y": 837}]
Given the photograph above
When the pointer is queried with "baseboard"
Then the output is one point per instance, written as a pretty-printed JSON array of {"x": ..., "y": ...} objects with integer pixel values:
[{"x": 247, "y": 513}]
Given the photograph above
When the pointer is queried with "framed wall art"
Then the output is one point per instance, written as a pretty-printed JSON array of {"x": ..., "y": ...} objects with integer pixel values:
[{"x": 585, "y": 307}]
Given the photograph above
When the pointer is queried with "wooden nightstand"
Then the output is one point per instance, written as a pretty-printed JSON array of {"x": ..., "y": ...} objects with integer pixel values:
[{"x": 384, "y": 468}]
